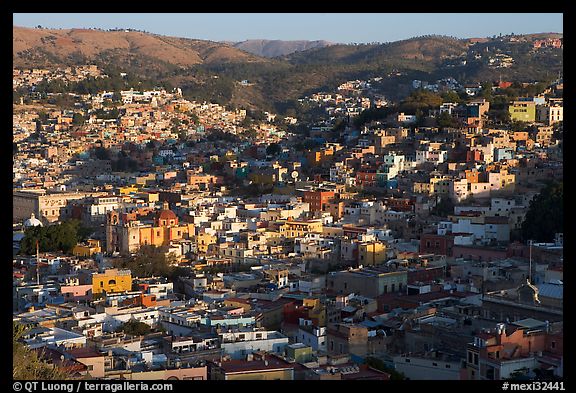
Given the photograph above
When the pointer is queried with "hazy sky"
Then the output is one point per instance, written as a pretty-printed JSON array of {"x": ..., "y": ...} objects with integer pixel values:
[{"x": 342, "y": 27}]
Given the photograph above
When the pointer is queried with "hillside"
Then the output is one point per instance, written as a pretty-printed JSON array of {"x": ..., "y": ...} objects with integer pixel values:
[
  {"x": 275, "y": 48},
  {"x": 423, "y": 49},
  {"x": 35, "y": 47},
  {"x": 212, "y": 71}
]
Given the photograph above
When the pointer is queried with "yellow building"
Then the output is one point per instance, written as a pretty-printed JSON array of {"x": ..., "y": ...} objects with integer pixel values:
[
  {"x": 86, "y": 250},
  {"x": 130, "y": 236},
  {"x": 421, "y": 188},
  {"x": 300, "y": 228},
  {"x": 439, "y": 185},
  {"x": 371, "y": 253},
  {"x": 270, "y": 369},
  {"x": 112, "y": 280},
  {"x": 316, "y": 311},
  {"x": 204, "y": 240},
  {"x": 523, "y": 111},
  {"x": 508, "y": 180},
  {"x": 128, "y": 190}
]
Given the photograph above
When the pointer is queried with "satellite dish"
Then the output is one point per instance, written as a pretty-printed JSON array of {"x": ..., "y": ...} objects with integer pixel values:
[{"x": 294, "y": 174}]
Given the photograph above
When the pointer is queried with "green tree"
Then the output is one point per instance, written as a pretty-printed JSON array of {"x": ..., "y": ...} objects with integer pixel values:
[
  {"x": 27, "y": 364},
  {"x": 443, "y": 207},
  {"x": 57, "y": 237},
  {"x": 486, "y": 91},
  {"x": 451, "y": 96},
  {"x": 102, "y": 153},
  {"x": 518, "y": 125},
  {"x": 148, "y": 261},
  {"x": 134, "y": 328},
  {"x": 379, "y": 364},
  {"x": 273, "y": 149},
  {"x": 116, "y": 97},
  {"x": 545, "y": 216},
  {"x": 445, "y": 120}
]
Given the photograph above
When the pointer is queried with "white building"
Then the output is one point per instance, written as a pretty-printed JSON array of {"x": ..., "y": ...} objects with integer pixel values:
[
  {"x": 428, "y": 366},
  {"x": 240, "y": 343},
  {"x": 312, "y": 336}
]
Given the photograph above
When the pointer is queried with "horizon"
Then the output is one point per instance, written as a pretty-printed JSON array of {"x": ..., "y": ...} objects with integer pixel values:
[
  {"x": 282, "y": 40},
  {"x": 279, "y": 27}
]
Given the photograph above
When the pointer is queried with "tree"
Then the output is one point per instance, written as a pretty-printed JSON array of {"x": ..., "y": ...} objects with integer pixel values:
[
  {"x": 451, "y": 96},
  {"x": 545, "y": 216},
  {"x": 116, "y": 97},
  {"x": 27, "y": 364},
  {"x": 518, "y": 125},
  {"x": 486, "y": 91},
  {"x": 134, "y": 328},
  {"x": 148, "y": 261},
  {"x": 273, "y": 149},
  {"x": 58, "y": 237},
  {"x": 101, "y": 153},
  {"x": 445, "y": 120},
  {"x": 379, "y": 364},
  {"x": 443, "y": 207}
]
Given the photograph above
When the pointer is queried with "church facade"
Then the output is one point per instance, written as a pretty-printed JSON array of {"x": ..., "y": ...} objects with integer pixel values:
[{"x": 126, "y": 236}]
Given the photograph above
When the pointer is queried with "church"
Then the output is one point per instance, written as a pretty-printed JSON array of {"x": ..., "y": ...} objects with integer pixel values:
[{"x": 126, "y": 235}]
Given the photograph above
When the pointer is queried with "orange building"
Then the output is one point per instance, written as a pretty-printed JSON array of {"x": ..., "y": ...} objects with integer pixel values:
[
  {"x": 166, "y": 228},
  {"x": 125, "y": 235},
  {"x": 318, "y": 198}
]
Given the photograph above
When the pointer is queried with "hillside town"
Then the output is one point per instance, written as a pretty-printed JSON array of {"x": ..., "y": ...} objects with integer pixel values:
[{"x": 156, "y": 237}]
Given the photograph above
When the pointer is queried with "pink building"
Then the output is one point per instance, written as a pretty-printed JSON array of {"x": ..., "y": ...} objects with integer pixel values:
[{"x": 76, "y": 292}]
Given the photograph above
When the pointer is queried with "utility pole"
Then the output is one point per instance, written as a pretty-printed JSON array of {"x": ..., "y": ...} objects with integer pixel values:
[{"x": 37, "y": 263}]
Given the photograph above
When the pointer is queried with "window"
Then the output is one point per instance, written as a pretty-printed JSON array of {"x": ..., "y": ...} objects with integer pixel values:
[
  {"x": 435, "y": 364},
  {"x": 447, "y": 366},
  {"x": 407, "y": 360}
]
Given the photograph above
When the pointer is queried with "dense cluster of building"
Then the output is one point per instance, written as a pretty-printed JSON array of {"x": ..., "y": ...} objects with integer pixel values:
[{"x": 345, "y": 258}]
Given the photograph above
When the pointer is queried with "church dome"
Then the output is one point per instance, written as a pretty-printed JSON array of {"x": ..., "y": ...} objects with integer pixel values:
[
  {"x": 32, "y": 222},
  {"x": 166, "y": 216}
]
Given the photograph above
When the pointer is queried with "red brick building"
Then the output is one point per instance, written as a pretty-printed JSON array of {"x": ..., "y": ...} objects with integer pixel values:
[
  {"x": 366, "y": 178},
  {"x": 431, "y": 243},
  {"x": 318, "y": 198}
]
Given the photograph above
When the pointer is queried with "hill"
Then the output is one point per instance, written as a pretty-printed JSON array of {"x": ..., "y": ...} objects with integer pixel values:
[
  {"x": 212, "y": 71},
  {"x": 420, "y": 49},
  {"x": 36, "y": 47},
  {"x": 276, "y": 48}
]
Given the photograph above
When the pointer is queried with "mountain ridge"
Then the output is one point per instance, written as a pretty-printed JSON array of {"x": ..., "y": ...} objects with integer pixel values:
[
  {"x": 276, "y": 48},
  {"x": 212, "y": 71}
]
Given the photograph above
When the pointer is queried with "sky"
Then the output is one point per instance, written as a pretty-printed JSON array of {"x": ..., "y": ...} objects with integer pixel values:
[{"x": 334, "y": 27}]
